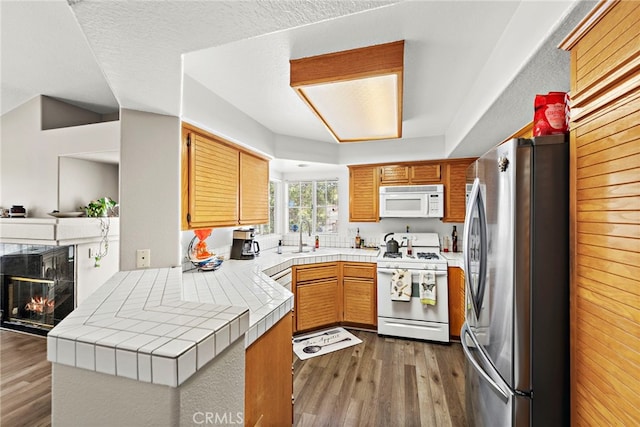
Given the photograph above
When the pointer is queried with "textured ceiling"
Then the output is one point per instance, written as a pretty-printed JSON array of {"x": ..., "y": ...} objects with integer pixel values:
[
  {"x": 146, "y": 39},
  {"x": 43, "y": 51},
  {"x": 440, "y": 63},
  {"x": 466, "y": 61}
]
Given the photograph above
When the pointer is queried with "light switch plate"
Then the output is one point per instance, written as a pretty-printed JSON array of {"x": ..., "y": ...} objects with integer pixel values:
[{"x": 143, "y": 258}]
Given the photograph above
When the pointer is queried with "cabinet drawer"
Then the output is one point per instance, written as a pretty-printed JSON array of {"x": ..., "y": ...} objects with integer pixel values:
[
  {"x": 318, "y": 271},
  {"x": 360, "y": 270}
]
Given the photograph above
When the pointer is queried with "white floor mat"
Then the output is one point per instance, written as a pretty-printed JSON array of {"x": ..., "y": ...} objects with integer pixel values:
[{"x": 322, "y": 342}]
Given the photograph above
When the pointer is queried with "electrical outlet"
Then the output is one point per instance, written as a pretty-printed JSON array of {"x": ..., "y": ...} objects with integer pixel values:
[{"x": 143, "y": 258}]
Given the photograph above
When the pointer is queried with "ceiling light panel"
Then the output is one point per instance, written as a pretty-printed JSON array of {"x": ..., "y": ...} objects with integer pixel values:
[{"x": 357, "y": 94}]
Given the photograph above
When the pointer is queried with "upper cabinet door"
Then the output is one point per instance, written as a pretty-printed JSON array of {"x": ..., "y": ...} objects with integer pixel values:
[
  {"x": 254, "y": 189},
  {"x": 363, "y": 194},
  {"x": 410, "y": 174},
  {"x": 394, "y": 175},
  {"x": 223, "y": 185},
  {"x": 455, "y": 203},
  {"x": 213, "y": 182},
  {"x": 425, "y": 174}
]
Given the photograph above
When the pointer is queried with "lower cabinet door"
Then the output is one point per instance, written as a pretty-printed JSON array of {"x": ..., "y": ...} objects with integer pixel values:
[
  {"x": 359, "y": 301},
  {"x": 269, "y": 378},
  {"x": 317, "y": 304}
]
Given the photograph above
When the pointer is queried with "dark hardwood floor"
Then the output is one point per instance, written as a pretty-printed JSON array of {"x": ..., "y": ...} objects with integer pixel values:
[
  {"x": 381, "y": 382},
  {"x": 25, "y": 380}
]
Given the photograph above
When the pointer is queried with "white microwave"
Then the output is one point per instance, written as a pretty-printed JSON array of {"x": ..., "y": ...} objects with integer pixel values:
[{"x": 412, "y": 201}]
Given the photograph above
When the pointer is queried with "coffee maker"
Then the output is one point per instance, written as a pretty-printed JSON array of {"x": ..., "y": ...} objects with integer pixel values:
[{"x": 243, "y": 246}]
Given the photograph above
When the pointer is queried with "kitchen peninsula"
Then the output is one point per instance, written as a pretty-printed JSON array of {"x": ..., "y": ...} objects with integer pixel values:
[{"x": 171, "y": 344}]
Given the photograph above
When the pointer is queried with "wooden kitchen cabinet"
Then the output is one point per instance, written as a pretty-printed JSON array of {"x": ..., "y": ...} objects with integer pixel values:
[
  {"x": 604, "y": 213},
  {"x": 335, "y": 293},
  {"x": 359, "y": 294},
  {"x": 269, "y": 377},
  {"x": 456, "y": 300},
  {"x": 222, "y": 184},
  {"x": 425, "y": 174},
  {"x": 365, "y": 182},
  {"x": 394, "y": 175},
  {"x": 317, "y": 304},
  {"x": 455, "y": 203},
  {"x": 317, "y": 295},
  {"x": 363, "y": 194},
  {"x": 410, "y": 174},
  {"x": 211, "y": 187},
  {"x": 254, "y": 189}
]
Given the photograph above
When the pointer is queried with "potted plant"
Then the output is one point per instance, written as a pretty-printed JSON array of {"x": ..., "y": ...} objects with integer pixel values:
[{"x": 99, "y": 207}]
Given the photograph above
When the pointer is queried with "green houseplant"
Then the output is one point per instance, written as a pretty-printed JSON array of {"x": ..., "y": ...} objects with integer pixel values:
[{"x": 99, "y": 207}]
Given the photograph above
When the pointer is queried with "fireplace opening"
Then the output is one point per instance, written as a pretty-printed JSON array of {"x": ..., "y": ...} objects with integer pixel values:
[{"x": 37, "y": 289}]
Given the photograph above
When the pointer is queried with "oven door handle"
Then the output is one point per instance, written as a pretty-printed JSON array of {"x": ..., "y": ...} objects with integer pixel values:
[{"x": 392, "y": 270}]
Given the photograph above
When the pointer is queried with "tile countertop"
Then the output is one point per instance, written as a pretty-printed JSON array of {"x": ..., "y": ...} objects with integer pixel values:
[
  {"x": 247, "y": 283},
  {"x": 454, "y": 259},
  {"x": 162, "y": 325}
]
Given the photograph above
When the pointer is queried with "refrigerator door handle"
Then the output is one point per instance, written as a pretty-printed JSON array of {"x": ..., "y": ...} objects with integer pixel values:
[
  {"x": 465, "y": 332},
  {"x": 475, "y": 188},
  {"x": 477, "y": 295}
]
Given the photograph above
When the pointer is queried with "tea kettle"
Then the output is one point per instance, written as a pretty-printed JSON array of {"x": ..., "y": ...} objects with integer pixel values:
[{"x": 392, "y": 245}]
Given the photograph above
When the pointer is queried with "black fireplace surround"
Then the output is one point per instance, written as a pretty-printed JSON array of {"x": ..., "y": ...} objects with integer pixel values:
[{"x": 37, "y": 286}]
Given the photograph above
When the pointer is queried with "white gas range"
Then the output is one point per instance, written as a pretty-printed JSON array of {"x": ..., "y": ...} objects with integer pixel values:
[{"x": 408, "y": 317}]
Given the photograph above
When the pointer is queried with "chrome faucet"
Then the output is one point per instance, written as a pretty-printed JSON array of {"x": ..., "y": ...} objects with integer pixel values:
[{"x": 302, "y": 221}]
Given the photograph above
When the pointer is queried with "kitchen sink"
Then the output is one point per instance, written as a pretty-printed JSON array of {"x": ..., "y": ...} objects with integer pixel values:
[
  {"x": 305, "y": 250},
  {"x": 297, "y": 251}
]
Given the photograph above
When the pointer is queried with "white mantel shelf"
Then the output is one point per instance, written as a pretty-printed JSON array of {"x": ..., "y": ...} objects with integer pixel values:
[{"x": 55, "y": 231}]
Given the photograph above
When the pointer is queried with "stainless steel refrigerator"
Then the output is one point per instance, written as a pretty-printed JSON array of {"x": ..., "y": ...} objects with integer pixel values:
[{"x": 516, "y": 260}]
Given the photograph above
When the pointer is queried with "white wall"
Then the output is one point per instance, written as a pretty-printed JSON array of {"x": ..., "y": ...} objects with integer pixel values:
[
  {"x": 291, "y": 148},
  {"x": 80, "y": 397},
  {"x": 208, "y": 111},
  {"x": 149, "y": 188},
  {"x": 58, "y": 114},
  {"x": 429, "y": 148},
  {"x": 80, "y": 181},
  {"x": 29, "y": 156},
  {"x": 89, "y": 277}
]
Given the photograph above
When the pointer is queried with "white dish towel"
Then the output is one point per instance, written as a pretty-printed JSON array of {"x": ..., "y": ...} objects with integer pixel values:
[
  {"x": 401, "y": 285},
  {"x": 428, "y": 288}
]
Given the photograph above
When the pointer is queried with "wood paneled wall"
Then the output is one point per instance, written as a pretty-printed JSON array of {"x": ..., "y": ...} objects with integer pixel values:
[{"x": 605, "y": 216}]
